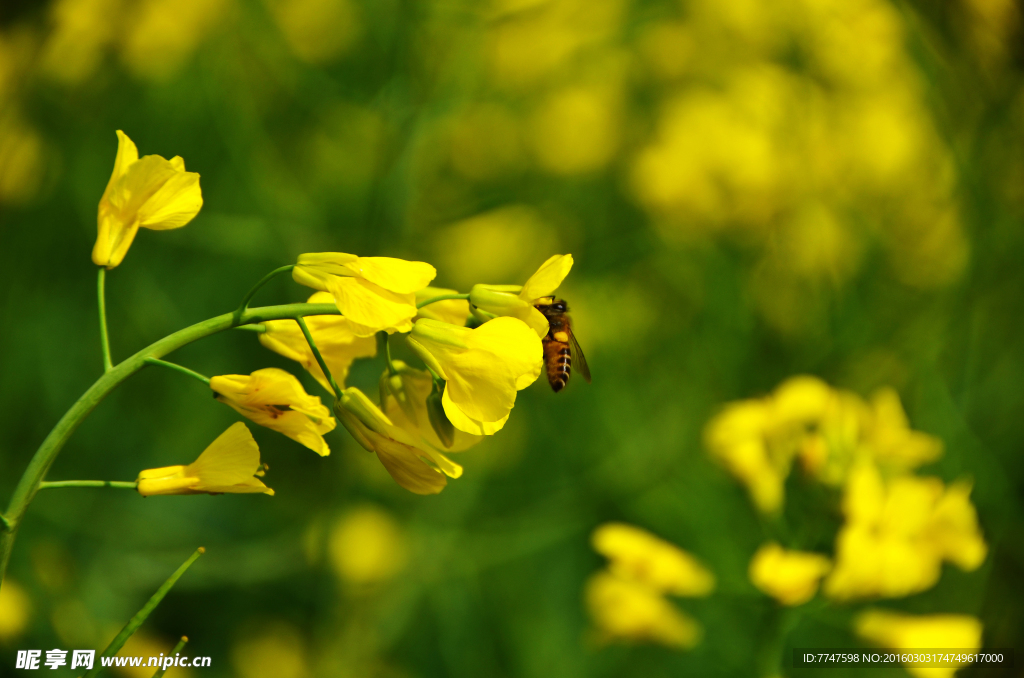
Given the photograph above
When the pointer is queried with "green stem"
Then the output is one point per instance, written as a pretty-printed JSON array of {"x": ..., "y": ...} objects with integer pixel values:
[
  {"x": 58, "y": 436},
  {"x": 175, "y": 650},
  {"x": 441, "y": 298},
  {"x": 384, "y": 347},
  {"x": 47, "y": 484},
  {"x": 178, "y": 368},
  {"x": 319, "y": 358},
  {"x": 135, "y": 622},
  {"x": 259, "y": 328},
  {"x": 101, "y": 283},
  {"x": 770, "y": 655},
  {"x": 256, "y": 288}
]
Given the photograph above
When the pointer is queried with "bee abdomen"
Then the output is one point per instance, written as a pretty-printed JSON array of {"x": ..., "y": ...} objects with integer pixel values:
[{"x": 558, "y": 358}]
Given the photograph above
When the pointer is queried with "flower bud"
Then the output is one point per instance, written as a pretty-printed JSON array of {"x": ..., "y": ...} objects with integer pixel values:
[
  {"x": 438, "y": 419},
  {"x": 490, "y": 301}
]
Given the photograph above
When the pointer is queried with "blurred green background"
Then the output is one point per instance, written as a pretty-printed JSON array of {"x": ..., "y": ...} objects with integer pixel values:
[{"x": 750, "y": 190}]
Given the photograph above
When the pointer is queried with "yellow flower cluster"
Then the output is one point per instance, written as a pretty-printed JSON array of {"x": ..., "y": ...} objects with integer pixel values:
[
  {"x": 469, "y": 390},
  {"x": 899, "y": 527},
  {"x": 898, "y": 532},
  {"x": 897, "y": 631},
  {"x": 825, "y": 429},
  {"x": 627, "y": 600}
]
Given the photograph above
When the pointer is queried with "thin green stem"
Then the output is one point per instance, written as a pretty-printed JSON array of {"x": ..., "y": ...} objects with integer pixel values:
[
  {"x": 59, "y": 435},
  {"x": 259, "y": 328},
  {"x": 135, "y": 622},
  {"x": 48, "y": 484},
  {"x": 175, "y": 650},
  {"x": 319, "y": 358},
  {"x": 441, "y": 298},
  {"x": 256, "y": 288},
  {"x": 101, "y": 284},
  {"x": 178, "y": 368}
]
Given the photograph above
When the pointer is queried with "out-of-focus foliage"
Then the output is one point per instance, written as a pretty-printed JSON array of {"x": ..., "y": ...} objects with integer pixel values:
[{"x": 750, "y": 190}]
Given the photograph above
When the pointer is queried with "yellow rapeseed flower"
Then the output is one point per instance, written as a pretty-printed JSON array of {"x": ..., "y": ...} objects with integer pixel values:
[
  {"x": 791, "y": 577},
  {"x": 490, "y": 301},
  {"x": 375, "y": 293},
  {"x": 825, "y": 429},
  {"x": 483, "y": 368},
  {"x": 892, "y": 441},
  {"x": 335, "y": 338},
  {"x": 735, "y": 437},
  {"x": 149, "y": 192},
  {"x": 406, "y": 406},
  {"x": 275, "y": 399},
  {"x": 897, "y": 534},
  {"x": 897, "y": 631},
  {"x": 452, "y": 311},
  {"x": 628, "y": 611},
  {"x": 229, "y": 464},
  {"x": 637, "y": 555},
  {"x": 415, "y": 466}
]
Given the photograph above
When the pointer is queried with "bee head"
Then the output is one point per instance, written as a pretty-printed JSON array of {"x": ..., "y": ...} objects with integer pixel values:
[{"x": 559, "y": 306}]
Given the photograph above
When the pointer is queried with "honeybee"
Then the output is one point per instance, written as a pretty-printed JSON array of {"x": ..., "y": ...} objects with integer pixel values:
[{"x": 560, "y": 345}]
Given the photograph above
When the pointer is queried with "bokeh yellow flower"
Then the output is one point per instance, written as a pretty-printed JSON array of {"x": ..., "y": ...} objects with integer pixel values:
[
  {"x": 483, "y": 368},
  {"x": 628, "y": 611},
  {"x": 15, "y": 610},
  {"x": 891, "y": 439},
  {"x": 637, "y": 555},
  {"x": 825, "y": 429},
  {"x": 791, "y": 577},
  {"x": 898, "y": 532},
  {"x": 366, "y": 546},
  {"x": 735, "y": 438},
  {"x": 229, "y": 464},
  {"x": 415, "y": 466},
  {"x": 274, "y": 398},
  {"x": 490, "y": 301},
  {"x": 148, "y": 192},
  {"x": 896, "y": 631},
  {"x": 335, "y": 337},
  {"x": 451, "y": 311},
  {"x": 271, "y": 648},
  {"x": 375, "y": 293}
]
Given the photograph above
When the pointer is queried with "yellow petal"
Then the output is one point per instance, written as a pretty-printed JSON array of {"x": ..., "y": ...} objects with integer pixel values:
[
  {"x": 396, "y": 275},
  {"x": 127, "y": 153},
  {"x": 233, "y": 458},
  {"x": 518, "y": 347},
  {"x": 466, "y": 424},
  {"x": 406, "y": 467},
  {"x": 370, "y": 305},
  {"x": 548, "y": 277},
  {"x": 176, "y": 203}
]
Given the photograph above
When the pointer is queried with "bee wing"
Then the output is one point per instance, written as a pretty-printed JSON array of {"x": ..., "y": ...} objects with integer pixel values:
[{"x": 579, "y": 361}]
